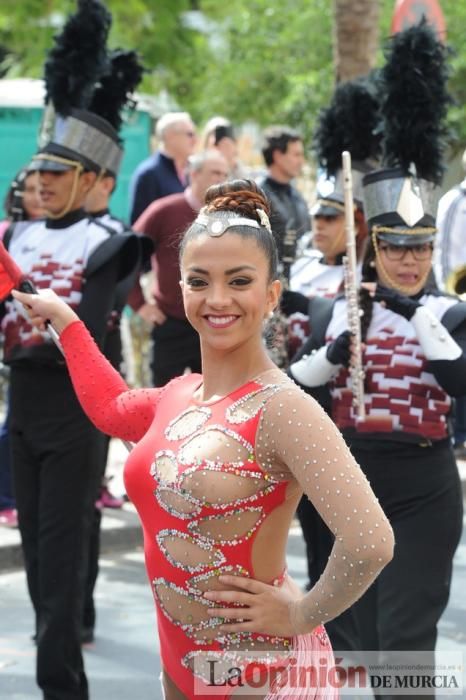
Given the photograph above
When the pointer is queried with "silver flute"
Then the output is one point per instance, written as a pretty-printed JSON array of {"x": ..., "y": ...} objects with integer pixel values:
[{"x": 356, "y": 368}]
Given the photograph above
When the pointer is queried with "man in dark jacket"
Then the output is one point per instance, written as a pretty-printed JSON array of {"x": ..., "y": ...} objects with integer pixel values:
[
  {"x": 164, "y": 172},
  {"x": 283, "y": 153}
]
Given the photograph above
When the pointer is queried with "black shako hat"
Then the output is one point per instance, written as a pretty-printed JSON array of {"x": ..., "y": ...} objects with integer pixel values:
[
  {"x": 400, "y": 199},
  {"x": 80, "y": 138}
]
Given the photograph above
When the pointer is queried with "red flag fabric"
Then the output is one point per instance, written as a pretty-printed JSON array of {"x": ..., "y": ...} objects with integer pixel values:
[{"x": 10, "y": 273}]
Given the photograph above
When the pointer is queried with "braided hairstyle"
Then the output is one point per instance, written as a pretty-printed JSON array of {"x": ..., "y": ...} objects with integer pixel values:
[
  {"x": 242, "y": 197},
  {"x": 366, "y": 302},
  {"x": 13, "y": 202}
]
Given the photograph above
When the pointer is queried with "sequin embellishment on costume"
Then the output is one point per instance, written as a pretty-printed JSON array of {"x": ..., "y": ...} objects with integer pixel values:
[
  {"x": 209, "y": 581},
  {"x": 217, "y": 528},
  {"x": 249, "y": 406},
  {"x": 182, "y": 550}
]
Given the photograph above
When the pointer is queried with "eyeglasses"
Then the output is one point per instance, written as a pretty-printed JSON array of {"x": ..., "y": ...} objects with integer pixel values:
[{"x": 420, "y": 252}]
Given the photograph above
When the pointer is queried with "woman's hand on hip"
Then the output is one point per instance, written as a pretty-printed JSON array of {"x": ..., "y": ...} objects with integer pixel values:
[{"x": 264, "y": 609}]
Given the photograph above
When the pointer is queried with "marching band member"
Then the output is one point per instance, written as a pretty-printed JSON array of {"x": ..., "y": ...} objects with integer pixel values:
[
  {"x": 414, "y": 356},
  {"x": 343, "y": 125}
]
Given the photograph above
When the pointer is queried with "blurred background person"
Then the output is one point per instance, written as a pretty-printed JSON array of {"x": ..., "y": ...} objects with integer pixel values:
[
  {"x": 347, "y": 123},
  {"x": 164, "y": 172},
  {"x": 22, "y": 203},
  {"x": 219, "y": 133},
  {"x": 283, "y": 153},
  {"x": 450, "y": 275},
  {"x": 175, "y": 344}
]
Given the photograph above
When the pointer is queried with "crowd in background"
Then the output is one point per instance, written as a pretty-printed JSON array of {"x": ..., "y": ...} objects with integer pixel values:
[{"x": 166, "y": 194}]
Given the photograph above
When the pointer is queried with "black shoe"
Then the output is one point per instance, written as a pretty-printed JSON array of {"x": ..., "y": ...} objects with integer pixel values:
[{"x": 87, "y": 635}]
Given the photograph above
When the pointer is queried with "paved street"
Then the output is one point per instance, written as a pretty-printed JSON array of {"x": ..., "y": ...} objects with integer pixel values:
[{"x": 123, "y": 662}]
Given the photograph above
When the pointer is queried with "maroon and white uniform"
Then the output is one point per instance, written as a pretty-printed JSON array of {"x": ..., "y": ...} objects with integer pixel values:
[
  {"x": 64, "y": 258},
  {"x": 311, "y": 276},
  {"x": 401, "y": 394}
]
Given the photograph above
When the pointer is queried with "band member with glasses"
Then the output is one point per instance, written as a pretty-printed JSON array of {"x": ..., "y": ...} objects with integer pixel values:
[
  {"x": 414, "y": 345},
  {"x": 414, "y": 357}
]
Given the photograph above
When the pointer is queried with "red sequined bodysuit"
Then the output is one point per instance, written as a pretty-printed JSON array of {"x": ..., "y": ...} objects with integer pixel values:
[{"x": 214, "y": 497}]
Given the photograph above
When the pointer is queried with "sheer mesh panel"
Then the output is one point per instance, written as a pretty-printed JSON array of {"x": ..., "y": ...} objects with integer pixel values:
[
  {"x": 187, "y": 423},
  {"x": 222, "y": 488},
  {"x": 217, "y": 445}
]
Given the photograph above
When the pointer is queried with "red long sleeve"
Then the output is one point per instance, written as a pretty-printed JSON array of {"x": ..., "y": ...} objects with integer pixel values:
[{"x": 104, "y": 396}]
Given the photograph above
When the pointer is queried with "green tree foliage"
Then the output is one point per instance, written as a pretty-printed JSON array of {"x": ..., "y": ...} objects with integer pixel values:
[
  {"x": 264, "y": 60},
  {"x": 455, "y": 14}
]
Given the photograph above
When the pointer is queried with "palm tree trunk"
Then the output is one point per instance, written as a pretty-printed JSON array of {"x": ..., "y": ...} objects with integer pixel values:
[{"x": 356, "y": 37}]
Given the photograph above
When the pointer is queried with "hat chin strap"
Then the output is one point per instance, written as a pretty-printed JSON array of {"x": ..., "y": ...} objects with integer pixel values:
[
  {"x": 399, "y": 287},
  {"x": 78, "y": 170},
  {"x": 67, "y": 208}
]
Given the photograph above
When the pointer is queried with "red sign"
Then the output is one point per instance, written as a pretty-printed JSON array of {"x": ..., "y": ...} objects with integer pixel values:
[{"x": 410, "y": 12}]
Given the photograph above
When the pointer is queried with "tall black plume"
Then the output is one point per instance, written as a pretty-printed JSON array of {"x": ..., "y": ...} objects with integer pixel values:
[
  {"x": 348, "y": 123},
  {"x": 78, "y": 59},
  {"x": 116, "y": 87},
  {"x": 414, "y": 101}
]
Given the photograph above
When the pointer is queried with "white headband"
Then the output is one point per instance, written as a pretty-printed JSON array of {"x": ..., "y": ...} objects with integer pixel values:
[{"x": 217, "y": 226}]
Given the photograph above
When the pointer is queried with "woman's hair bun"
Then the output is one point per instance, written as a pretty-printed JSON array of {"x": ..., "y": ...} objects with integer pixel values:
[{"x": 243, "y": 197}]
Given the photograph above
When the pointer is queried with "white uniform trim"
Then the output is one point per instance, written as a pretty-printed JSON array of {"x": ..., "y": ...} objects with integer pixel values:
[
  {"x": 433, "y": 337},
  {"x": 314, "y": 370}
]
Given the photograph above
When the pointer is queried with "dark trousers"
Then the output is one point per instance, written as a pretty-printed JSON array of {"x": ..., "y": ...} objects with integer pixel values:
[
  {"x": 175, "y": 347},
  {"x": 460, "y": 421},
  {"x": 54, "y": 468},
  {"x": 89, "y": 608},
  {"x": 113, "y": 352},
  {"x": 420, "y": 492}
]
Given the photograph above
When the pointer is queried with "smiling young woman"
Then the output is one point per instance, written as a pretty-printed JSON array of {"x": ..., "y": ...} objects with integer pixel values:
[{"x": 221, "y": 462}]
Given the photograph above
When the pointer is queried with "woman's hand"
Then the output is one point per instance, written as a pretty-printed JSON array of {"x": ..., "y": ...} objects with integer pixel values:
[
  {"x": 46, "y": 307},
  {"x": 392, "y": 299},
  {"x": 265, "y": 608}
]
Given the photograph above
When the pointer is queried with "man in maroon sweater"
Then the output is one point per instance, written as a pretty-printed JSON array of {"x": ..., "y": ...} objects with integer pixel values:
[{"x": 175, "y": 342}]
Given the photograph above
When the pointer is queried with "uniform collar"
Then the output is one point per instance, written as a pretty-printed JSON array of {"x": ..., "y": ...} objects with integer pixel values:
[{"x": 68, "y": 220}]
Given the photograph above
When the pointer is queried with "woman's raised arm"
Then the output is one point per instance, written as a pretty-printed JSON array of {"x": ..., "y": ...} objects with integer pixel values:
[{"x": 104, "y": 396}]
